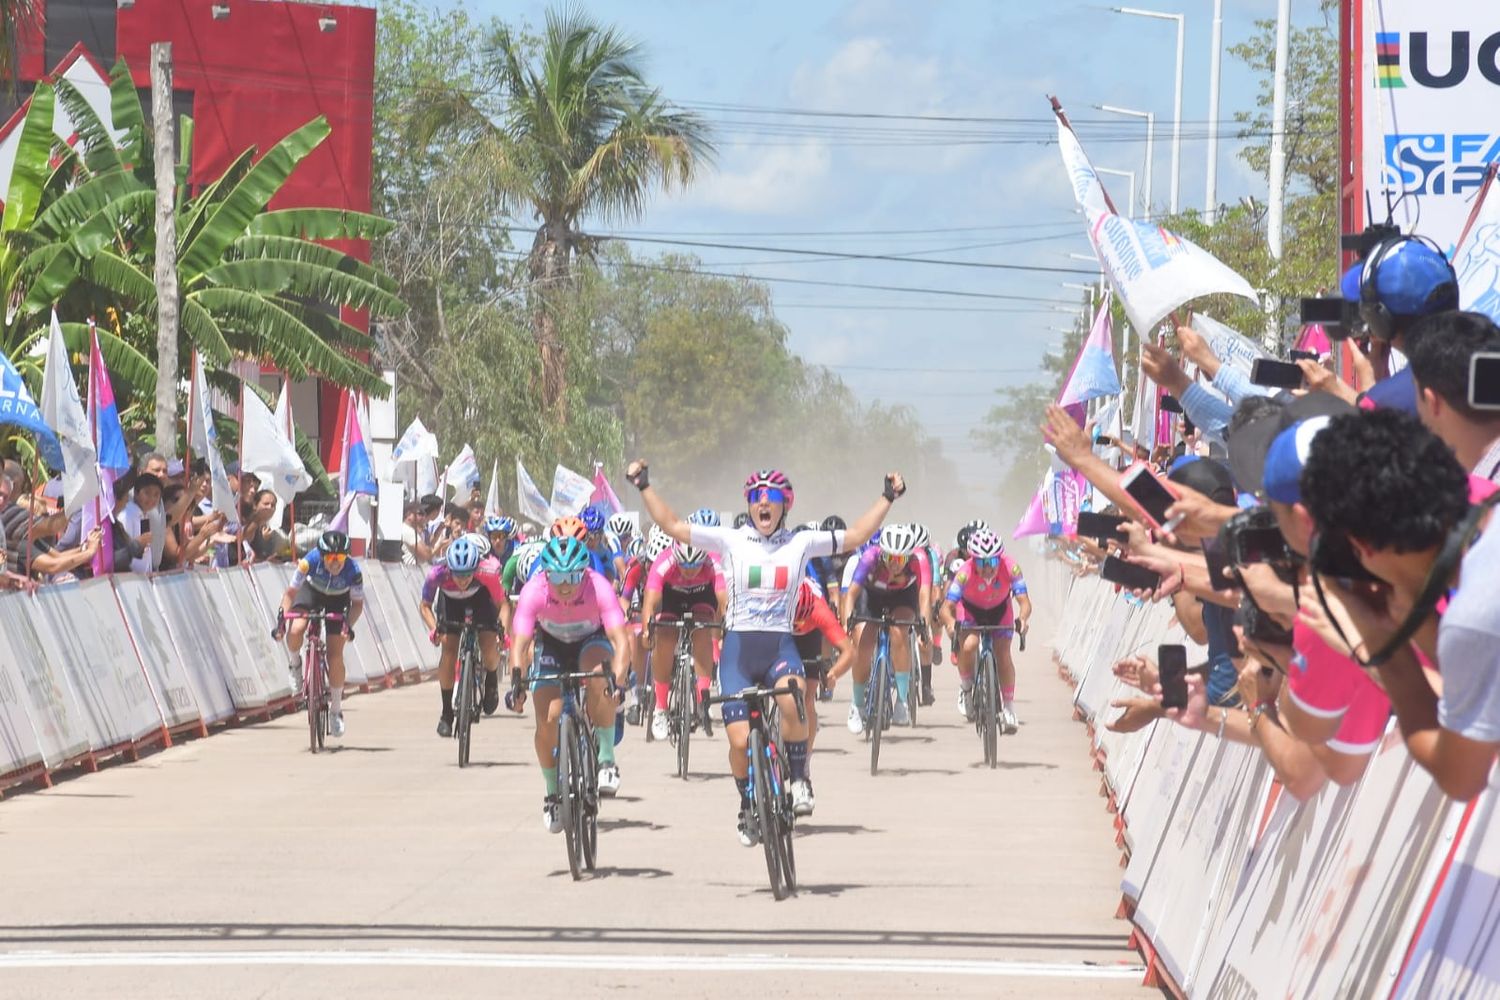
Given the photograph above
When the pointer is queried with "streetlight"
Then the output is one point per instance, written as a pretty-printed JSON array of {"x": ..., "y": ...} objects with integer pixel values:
[
  {"x": 1150, "y": 143},
  {"x": 1123, "y": 173},
  {"x": 1177, "y": 100},
  {"x": 1211, "y": 195}
]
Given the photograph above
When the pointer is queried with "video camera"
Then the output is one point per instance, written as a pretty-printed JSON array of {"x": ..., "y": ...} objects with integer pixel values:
[
  {"x": 1339, "y": 317},
  {"x": 1252, "y": 536}
]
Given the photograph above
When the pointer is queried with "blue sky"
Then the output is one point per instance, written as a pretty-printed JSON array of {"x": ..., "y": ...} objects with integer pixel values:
[{"x": 999, "y": 202}]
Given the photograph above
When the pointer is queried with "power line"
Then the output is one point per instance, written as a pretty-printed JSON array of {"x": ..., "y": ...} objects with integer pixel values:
[{"x": 850, "y": 255}]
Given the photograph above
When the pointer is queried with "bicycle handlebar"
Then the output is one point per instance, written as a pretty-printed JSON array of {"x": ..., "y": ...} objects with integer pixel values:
[{"x": 764, "y": 694}]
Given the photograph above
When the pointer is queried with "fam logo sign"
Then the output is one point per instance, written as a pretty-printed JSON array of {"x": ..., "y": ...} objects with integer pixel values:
[
  {"x": 1433, "y": 60},
  {"x": 1439, "y": 162}
]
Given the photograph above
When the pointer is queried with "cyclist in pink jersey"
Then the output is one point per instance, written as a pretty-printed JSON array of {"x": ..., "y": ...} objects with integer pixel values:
[
  {"x": 980, "y": 594},
  {"x": 570, "y": 617},
  {"x": 465, "y": 580},
  {"x": 893, "y": 576},
  {"x": 683, "y": 580}
]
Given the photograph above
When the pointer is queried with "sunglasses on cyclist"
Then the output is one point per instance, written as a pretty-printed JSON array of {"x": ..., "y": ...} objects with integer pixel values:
[
  {"x": 335, "y": 561},
  {"x": 563, "y": 578},
  {"x": 894, "y": 559},
  {"x": 767, "y": 494},
  {"x": 988, "y": 562}
]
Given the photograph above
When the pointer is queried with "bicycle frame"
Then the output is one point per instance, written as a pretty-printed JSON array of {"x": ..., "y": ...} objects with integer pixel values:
[
  {"x": 986, "y": 688},
  {"x": 577, "y": 773},
  {"x": 315, "y": 682}
]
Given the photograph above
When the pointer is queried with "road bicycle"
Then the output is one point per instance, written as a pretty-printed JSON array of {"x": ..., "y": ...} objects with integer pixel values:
[
  {"x": 683, "y": 707},
  {"x": 880, "y": 694},
  {"x": 314, "y": 670}
]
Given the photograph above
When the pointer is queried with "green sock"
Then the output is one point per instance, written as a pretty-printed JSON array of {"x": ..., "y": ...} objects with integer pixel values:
[
  {"x": 549, "y": 777},
  {"x": 903, "y": 686},
  {"x": 859, "y": 694},
  {"x": 606, "y": 738}
]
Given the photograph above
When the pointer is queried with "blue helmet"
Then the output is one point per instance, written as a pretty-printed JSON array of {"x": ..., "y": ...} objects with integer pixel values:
[
  {"x": 704, "y": 517},
  {"x": 497, "y": 524},
  {"x": 593, "y": 518},
  {"x": 463, "y": 556}
]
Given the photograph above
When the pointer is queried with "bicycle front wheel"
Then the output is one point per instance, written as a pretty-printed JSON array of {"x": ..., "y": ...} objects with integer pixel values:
[
  {"x": 588, "y": 774},
  {"x": 985, "y": 688},
  {"x": 765, "y": 811},
  {"x": 880, "y": 708},
  {"x": 467, "y": 692},
  {"x": 570, "y": 792},
  {"x": 683, "y": 693},
  {"x": 914, "y": 682}
]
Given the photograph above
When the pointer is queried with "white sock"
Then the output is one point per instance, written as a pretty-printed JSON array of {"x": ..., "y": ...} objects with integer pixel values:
[{"x": 336, "y": 698}]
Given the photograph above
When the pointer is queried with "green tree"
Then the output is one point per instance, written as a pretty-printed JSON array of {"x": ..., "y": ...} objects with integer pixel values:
[{"x": 575, "y": 131}]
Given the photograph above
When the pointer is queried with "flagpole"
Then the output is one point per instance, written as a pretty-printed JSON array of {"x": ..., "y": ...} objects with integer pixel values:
[{"x": 291, "y": 436}]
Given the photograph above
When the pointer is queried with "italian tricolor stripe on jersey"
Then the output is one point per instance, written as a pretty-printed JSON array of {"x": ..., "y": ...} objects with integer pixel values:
[{"x": 768, "y": 577}]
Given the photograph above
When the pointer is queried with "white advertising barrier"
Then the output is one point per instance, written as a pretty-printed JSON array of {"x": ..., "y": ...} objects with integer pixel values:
[
  {"x": 388, "y": 598},
  {"x": 20, "y": 747},
  {"x": 81, "y": 626},
  {"x": 56, "y": 717},
  {"x": 216, "y": 617},
  {"x": 199, "y": 649},
  {"x": 158, "y": 653},
  {"x": 241, "y": 608}
]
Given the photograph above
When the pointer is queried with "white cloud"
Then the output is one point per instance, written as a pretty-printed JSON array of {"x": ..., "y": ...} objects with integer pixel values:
[{"x": 770, "y": 180}]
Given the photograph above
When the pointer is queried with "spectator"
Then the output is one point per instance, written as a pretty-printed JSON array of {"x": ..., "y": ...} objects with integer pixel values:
[
  {"x": 1442, "y": 347},
  {"x": 476, "y": 516},
  {"x": 259, "y": 541},
  {"x": 145, "y": 525},
  {"x": 432, "y": 514},
  {"x": 1396, "y": 492},
  {"x": 415, "y": 550}
]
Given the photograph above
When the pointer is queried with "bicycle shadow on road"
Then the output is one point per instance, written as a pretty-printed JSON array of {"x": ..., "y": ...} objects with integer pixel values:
[
  {"x": 631, "y": 824},
  {"x": 606, "y": 871},
  {"x": 1012, "y": 765},
  {"x": 814, "y": 829}
]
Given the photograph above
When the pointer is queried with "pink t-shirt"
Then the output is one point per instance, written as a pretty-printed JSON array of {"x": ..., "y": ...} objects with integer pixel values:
[
  {"x": 1328, "y": 685},
  {"x": 875, "y": 573},
  {"x": 667, "y": 572},
  {"x": 593, "y": 607}
]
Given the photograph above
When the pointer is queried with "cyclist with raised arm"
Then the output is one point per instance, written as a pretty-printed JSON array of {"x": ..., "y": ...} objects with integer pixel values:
[
  {"x": 980, "y": 593},
  {"x": 764, "y": 563},
  {"x": 892, "y": 576},
  {"x": 682, "y": 580},
  {"x": 469, "y": 582},
  {"x": 327, "y": 579},
  {"x": 816, "y": 629},
  {"x": 570, "y": 614}
]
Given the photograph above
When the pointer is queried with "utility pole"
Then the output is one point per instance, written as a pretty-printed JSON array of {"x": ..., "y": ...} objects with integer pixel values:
[
  {"x": 166, "y": 248},
  {"x": 1277, "y": 170}
]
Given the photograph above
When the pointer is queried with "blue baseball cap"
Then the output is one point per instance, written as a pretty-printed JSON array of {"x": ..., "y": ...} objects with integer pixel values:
[
  {"x": 1414, "y": 279},
  {"x": 1286, "y": 457}
]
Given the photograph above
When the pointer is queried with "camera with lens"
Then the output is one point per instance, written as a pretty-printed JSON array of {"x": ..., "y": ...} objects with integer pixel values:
[
  {"x": 1260, "y": 627},
  {"x": 1252, "y": 536}
]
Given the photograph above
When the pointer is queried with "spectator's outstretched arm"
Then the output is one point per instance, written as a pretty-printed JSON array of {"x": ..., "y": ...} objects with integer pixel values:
[{"x": 1073, "y": 446}]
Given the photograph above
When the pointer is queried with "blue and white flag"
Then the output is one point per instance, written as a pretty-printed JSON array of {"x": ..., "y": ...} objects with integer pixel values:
[
  {"x": 18, "y": 408},
  {"x": 1094, "y": 372},
  {"x": 529, "y": 500}
]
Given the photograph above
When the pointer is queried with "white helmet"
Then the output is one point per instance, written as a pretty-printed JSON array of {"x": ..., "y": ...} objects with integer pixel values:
[
  {"x": 977, "y": 524},
  {"x": 920, "y": 530},
  {"x": 526, "y": 557},
  {"x": 619, "y": 525},
  {"x": 985, "y": 544},
  {"x": 898, "y": 540},
  {"x": 481, "y": 542},
  {"x": 688, "y": 555},
  {"x": 658, "y": 543}
]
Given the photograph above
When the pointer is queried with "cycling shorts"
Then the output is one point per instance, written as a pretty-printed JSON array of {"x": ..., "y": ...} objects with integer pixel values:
[
  {"x": 700, "y": 603},
  {"x": 875, "y": 603},
  {"x": 555, "y": 657},
  {"x": 450, "y": 612},
  {"x": 970, "y": 614},
  {"x": 308, "y": 599},
  {"x": 755, "y": 659}
]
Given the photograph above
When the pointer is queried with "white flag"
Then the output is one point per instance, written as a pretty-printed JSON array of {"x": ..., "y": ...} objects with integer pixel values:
[
  {"x": 570, "y": 492},
  {"x": 1152, "y": 271},
  {"x": 1142, "y": 430},
  {"x": 266, "y": 450},
  {"x": 205, "y": 442},
  {"x": 63, "y": 411},
  {"x": 1230, "y": 347},
  {"x": 492, "y": 500},
  {"x": 1477, "y": 259},
  {"x": 462, "y": 471},
  {"x": 416, "y": 442},
  {"x": 529, "y": 500},
  {"x": 427, "y": 480}
]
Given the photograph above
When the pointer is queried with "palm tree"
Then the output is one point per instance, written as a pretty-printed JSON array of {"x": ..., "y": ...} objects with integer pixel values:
[{"x": 573, "y": 131}]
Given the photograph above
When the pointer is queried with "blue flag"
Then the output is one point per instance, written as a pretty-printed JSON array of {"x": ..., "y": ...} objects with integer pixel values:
[{"x": 17, "y": 407}]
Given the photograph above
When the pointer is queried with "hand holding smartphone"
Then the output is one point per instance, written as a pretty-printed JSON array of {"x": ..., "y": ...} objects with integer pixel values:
[
  {"x": 1171, "y": 664},
  {"x": 1128, "y": 574},
  {"x": 1152, "y": 496},
  {"x": 1276, "y": 374}
]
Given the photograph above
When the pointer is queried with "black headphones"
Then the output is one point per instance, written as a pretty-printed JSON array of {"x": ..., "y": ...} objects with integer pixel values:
[{"x": 1379, "y": 320}]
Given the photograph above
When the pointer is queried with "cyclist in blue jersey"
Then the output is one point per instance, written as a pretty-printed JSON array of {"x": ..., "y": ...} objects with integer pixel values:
[
  {"x": 601, "y": 556},
  {"x": 326, "y": 579},
  {"x": 501, "y": 533},
  {"x": 619, "y": 532}
]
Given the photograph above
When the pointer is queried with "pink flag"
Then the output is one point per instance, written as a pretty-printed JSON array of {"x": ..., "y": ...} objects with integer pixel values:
[
  {"x": 114, "y": 456},
  {"x": 1034, "y": 521},
  {"x": 604, "y": 494},
  {"x": 1314, "y": 338}
]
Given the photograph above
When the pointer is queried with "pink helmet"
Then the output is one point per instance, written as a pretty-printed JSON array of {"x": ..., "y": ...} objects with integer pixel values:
[{"x": 770, "y": 479}]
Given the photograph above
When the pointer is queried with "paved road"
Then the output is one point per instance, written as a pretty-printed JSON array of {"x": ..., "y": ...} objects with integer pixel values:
[{"x": 242, "y": 866}]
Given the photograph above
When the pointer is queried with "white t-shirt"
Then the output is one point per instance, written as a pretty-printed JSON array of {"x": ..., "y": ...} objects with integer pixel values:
[
  {"x": 763, "y": 572},
  {"x": 408, "y": 545},
  {"x": 1469, "y": 644},
  {"x": 135, "y": 523}
]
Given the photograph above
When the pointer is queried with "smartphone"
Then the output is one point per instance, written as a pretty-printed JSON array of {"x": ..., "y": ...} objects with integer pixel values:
[
  {"x": 1100, "y": 526},
  {"x": 1484, "y": 381},
  {"x": 1170, "y": 405},
  {"x": 1128, "y": 574},
  {"x": 1276, "y": 374},
  {"x": 1151, "y": 495},
  {"x": 1218, "y": 564},
  {"x": 1302, "y": 356},
  {"x": 1171, "y": 665}
]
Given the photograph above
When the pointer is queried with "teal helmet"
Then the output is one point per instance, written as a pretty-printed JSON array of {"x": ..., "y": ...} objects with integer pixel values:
[{"x": 565, "y": 554}]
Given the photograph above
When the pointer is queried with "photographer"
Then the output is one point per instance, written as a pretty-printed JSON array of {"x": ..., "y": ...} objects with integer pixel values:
[
  {"x": 1443, "y": 346},
  {"x": 1395, "y": 493}
]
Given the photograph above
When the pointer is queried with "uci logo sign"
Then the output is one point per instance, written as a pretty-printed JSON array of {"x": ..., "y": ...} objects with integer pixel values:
[{"x": 1430, "y": 60}]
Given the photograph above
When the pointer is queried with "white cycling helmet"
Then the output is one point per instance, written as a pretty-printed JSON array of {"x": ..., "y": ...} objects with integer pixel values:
[
  {"x": 920, "y": 530},
  {"x": 985, "y": 544},
  {"x": 898, "y": 540},
  {"x": 688, "y": 555},
  {"x": 658, "y": 543},
  {"x": 619, "y": 525},
  {"x": 526, "y": 557},
  {"x": 481, "y": 541}
]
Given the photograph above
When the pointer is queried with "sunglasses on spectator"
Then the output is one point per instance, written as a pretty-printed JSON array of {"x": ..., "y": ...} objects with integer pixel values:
[
  {"x": 564, "y": 578},
  {"x": 767, "y": 494}
]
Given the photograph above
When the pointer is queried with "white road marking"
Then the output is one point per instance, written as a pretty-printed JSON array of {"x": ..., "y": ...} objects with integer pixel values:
[{"x": 567, "y": 961}]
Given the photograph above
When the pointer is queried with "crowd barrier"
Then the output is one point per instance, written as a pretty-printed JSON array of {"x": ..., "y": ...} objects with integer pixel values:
[
  {"x": 106, "y": 668},
  {"x": 1386, "y": 888}
]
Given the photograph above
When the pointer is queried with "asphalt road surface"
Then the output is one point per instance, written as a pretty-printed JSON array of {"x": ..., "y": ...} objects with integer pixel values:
[{"x": 243, "y": 866}]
